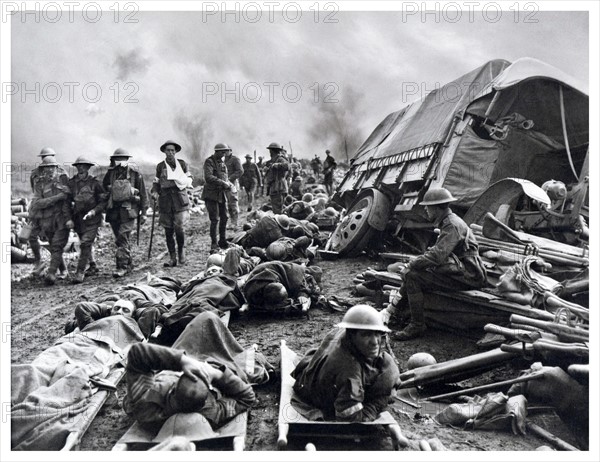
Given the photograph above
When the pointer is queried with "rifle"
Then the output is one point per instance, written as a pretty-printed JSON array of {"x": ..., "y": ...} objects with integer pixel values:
[
  {"x": 152, "y": 227},
  {"x": 139, "y": 224}
]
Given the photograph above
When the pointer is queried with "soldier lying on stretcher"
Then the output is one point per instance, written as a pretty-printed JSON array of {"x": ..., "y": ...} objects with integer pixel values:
[
  {"x": 192, "y": 376},
  {"x": 348, "y": 377}
]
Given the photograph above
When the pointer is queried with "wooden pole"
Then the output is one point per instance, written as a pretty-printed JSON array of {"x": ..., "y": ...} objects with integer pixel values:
[
  {"x": 570, "y": 334},
  {"x": 489, "y": 386},
  {"x": 554, "y": 440}
]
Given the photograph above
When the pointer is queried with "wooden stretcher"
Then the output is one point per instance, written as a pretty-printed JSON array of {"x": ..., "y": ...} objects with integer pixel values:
[
  {"x": 97, "y": 401},
  {"x": 192, "y": 426},
  {"x": 291, "y": 422}
]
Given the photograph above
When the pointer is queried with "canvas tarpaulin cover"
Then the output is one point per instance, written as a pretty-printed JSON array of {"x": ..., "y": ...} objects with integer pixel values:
[{"x": 428, "y": 120}]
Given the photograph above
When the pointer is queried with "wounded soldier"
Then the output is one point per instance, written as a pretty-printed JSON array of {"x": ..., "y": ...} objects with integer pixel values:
[
  {"x": 144, "y": 302},
  {"x": 348, "y": 377},
  {"x": 272, "y": 286},
  {"x": 197, "y": 374}
]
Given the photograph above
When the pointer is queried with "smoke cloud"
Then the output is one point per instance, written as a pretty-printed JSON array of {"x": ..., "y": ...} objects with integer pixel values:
[
  {"x": 334, "y": 125},
  {"x": 201, "y": 81},
  {"x": 197, "y": 131},
  {"x": 131, "y": 64}
]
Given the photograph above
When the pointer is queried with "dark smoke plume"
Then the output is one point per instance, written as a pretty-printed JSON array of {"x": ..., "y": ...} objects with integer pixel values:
[
  {"x": 131, "y": 63},
  {"x": 336, "y": 125},
  {"x": 197, "y": 130}
]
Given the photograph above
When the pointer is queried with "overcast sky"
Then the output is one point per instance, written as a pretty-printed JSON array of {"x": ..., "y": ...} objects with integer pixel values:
[{"x": 177, "y": 64}]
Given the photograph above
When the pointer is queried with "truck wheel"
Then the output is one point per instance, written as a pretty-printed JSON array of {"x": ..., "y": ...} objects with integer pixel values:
[{"x": 354, "y": 232}]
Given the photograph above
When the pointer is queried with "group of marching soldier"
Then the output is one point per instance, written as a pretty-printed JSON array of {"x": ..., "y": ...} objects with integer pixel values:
[{"x": 61, "y": 204}]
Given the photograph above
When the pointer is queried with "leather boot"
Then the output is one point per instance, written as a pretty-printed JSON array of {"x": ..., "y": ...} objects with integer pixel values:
[
  {"x": 92, "y": 269},
  {"x": 413, "y": 330},
  {"x": 78, "y": 277},
  {"x": 39, "y": 266},
  {"x": 180, "y": 237},
  {"x": 172, "y": 260},
  {"x": 417, "y": 326}
]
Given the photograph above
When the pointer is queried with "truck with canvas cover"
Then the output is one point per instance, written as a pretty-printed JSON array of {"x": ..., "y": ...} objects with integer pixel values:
[{"x": 495, "y": 138}]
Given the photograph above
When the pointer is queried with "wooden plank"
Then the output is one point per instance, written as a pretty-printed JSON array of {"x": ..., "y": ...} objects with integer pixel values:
[{"x": 96, "y": 403}]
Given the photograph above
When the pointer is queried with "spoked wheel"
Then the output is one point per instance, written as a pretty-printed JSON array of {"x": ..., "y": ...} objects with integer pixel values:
[{"x": 353, "y": 232}]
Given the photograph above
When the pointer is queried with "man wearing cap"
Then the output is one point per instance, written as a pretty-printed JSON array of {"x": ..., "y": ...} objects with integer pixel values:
[
  {"x": 34, "y": 241},
  {"x": 349, "y": 377},
  {"x": 169, "y": 189},
  {"x": 197, "y": 374},
  {"x": 329, "y": 167},
  {"x": 89, "y": 202},
  {"x": 276, "y": 177},
  {"x": 127, "y": 200},
  {"x": 452, "y": 264},
  {"x": 50, "y": 214},
  {"x": 214, "y": 195},
  {"x": 250, "y": 180},
  {"x": 234, "y": 172}
]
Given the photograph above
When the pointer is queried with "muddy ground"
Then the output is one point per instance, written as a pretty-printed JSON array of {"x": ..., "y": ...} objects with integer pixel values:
[{"x": 39, "y": 314}]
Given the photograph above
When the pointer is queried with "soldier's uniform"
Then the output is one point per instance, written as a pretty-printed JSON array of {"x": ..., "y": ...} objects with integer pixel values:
[
  {"x": 122, "y": 208},
  {"x": 251, "y": 179},
  {"x": 213, "y": 194},
  {"x": 34, "y": 242},
  {"x": 316, "y": 166},
  {"x": 341, "y": 383},
  {"x": 87, "y": 194},
  {"x": 276, "y": 177},
  {"x": 173, "y": 202},
  {"x": 329, "y": 167},
  {"x": 50, "y": 213}
]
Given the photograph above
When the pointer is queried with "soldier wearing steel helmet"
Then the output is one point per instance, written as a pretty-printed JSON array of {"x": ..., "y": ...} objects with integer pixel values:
[
  {"x": 329, "y": 167},
  {"x": 275, "y": 286},
  {"x": 50, "y": 214},
  {"x": 452, "y": 264},
  {"x": 349, "y": 377},
  {"x": 127, "y": 200},
  {"x": 214, "y": 195},
  {"x": 35, "y": 173},
  {"x": 276, "y": 176},
  {"x": 89, "y": 202},
  {"x": 34, "y": 242}
]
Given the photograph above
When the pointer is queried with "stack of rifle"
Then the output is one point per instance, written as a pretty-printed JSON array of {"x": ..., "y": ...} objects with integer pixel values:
[
  {"x": 557, "y": 339},
  {"x": 369, "y": 282},
  {"x": 551, "y": 251}
]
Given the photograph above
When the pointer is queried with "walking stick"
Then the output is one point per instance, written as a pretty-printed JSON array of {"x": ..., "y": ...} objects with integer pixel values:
[{"x": 152, "y": 227}]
